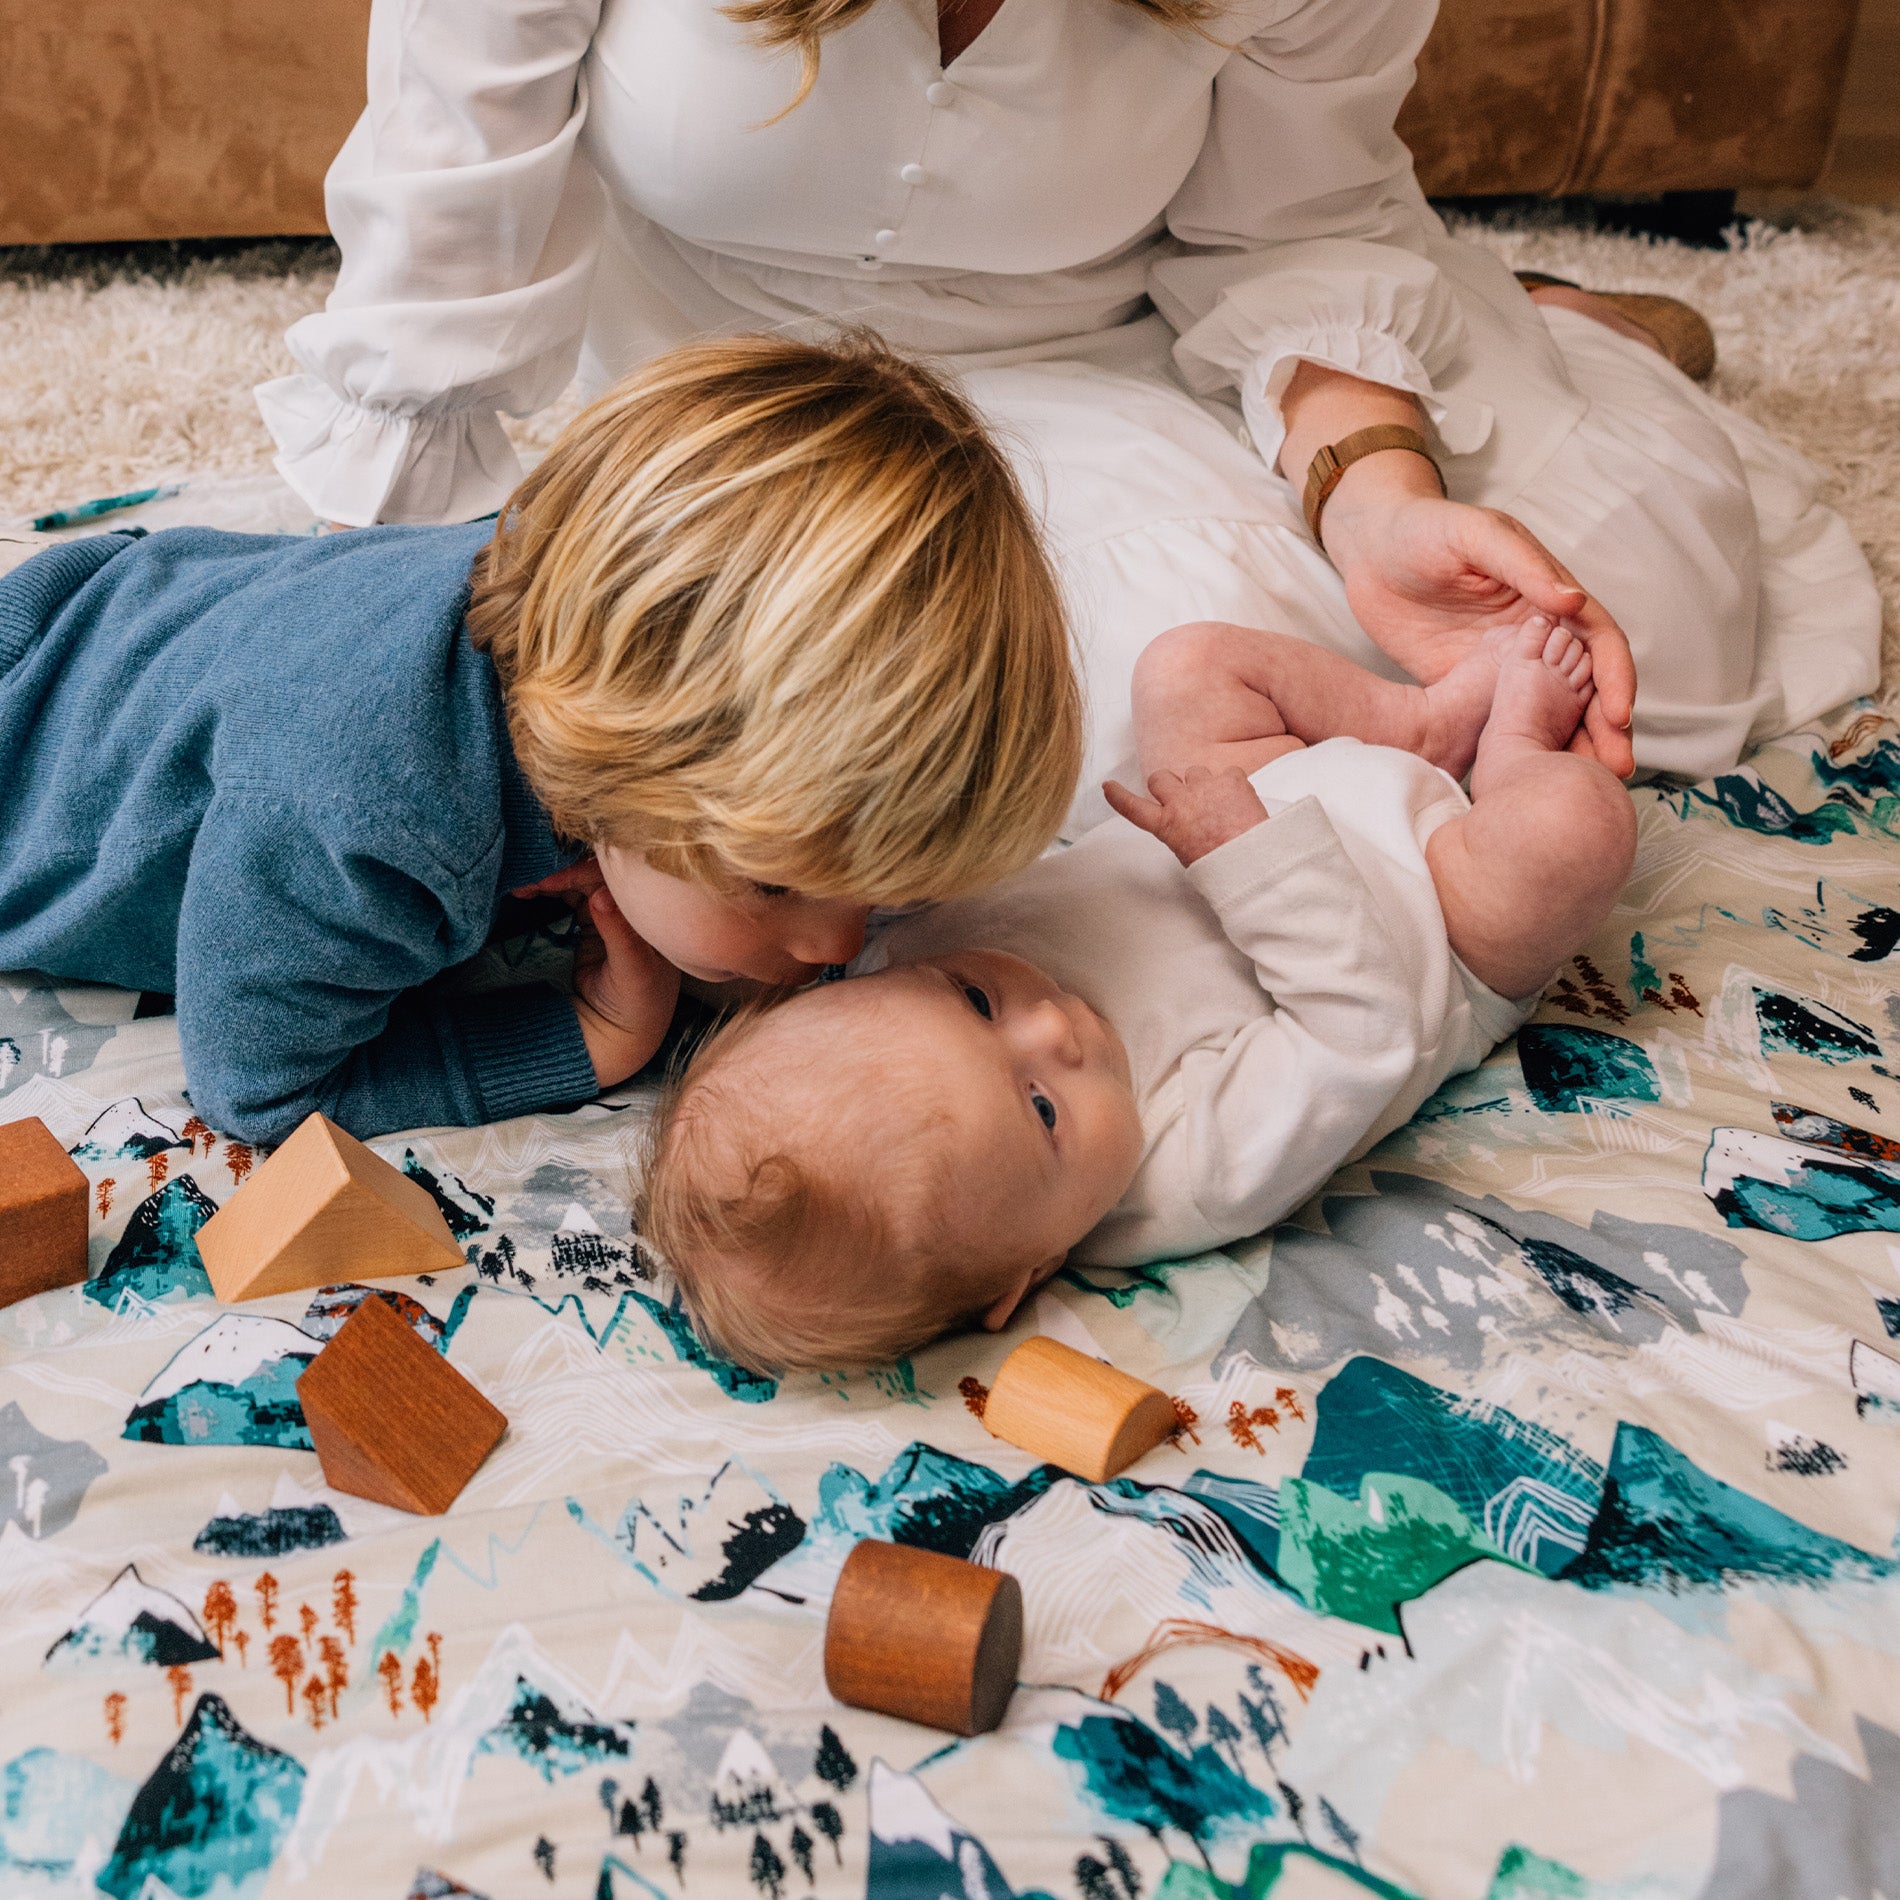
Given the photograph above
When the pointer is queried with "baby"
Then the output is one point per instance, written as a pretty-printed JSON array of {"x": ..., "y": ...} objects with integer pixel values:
[{"x": 1167, "y": 1036}]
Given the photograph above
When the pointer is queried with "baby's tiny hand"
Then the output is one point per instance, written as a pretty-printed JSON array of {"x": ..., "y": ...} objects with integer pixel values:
[
  {"x": 625, "y": 992},
  {"x": 1192, "y": 814}
]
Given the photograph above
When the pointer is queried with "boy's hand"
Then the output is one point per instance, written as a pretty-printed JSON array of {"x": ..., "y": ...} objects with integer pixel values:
[
  {"x": 624, "y": 991},
  {"x": 1192, "y": 813}
]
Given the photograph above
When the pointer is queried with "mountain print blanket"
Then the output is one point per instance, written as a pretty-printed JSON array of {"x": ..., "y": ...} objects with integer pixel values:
[{"x": 1528, "y": 1533}]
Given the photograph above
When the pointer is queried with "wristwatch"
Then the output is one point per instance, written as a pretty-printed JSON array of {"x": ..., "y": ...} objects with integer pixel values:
[{"x": 1333, "y": 461}]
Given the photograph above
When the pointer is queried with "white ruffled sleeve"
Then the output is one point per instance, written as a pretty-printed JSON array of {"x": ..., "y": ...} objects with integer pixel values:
[
  {"x": 1307, "y": 238},
  {"x": 469, "y": 223}
]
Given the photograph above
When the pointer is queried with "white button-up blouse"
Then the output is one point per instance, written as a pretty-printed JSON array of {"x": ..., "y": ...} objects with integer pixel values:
[{"x": 538, "y": 184}]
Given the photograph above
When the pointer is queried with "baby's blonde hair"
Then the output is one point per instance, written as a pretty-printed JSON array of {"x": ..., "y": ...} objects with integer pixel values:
[
  {"x": 812, "y": 1232},
  {"x": 777, "y": 611}
]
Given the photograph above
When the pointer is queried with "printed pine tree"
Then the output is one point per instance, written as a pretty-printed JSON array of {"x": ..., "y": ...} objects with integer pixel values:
[
  {"x": 316, "y": 1699},
  {"x": 220, "y": 1613},
  {"x": 544, "y": 1858},
  {"x": 266, "y": 1588},
  {"x": 286, "y": 1664},
  {"x": 179, "y": 1677},
  {"x": 336, "y": 1669},
  {"x": 676, "y": 1855},
  {"x": 1091, "y": 1879},
  {"x": 830, "y": 1823},
  {"x": 1123, "y": 1866},
  {"x": 115, "y": 1718},
  {"x": 651, "y": 1802},
  {"x": 768, "y": 1871},
  {"x": 833, "y": 1764},
  {"x": 390, "y": 1669},
  {"x": 343, "y": 1604},
  {"x": 1174, "y": 1715},
  {"x": 800, "y": 1844}
]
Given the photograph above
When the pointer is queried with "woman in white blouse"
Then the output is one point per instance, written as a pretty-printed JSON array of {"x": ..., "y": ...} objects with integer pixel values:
[{"x": 1174, "y": 247}]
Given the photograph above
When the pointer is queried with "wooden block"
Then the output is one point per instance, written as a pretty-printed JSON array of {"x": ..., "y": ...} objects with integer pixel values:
[
  {"x": 43, "y": 1198},
  {"x": 391, "y": 1418},
  {"x": 925, "y": 1637},
  {"x": 323, "y": 1208},
  {"x": 1075, "y": 1411}
]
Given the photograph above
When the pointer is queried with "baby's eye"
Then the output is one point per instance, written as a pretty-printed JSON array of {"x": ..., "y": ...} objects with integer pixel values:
[
  {"x": 1045, "y": 1108},
  {"x": 977, "y": 1001},
  {"x": 770, "y": 890}
]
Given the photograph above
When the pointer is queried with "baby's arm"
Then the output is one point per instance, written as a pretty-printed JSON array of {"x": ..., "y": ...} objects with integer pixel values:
[
  {"x": 1217, "y": 695},
  {"x": 1327, "y": 1064}
]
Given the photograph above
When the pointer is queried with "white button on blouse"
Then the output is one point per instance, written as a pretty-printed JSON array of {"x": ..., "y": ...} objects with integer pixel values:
[{"x": 624, "y": 173}]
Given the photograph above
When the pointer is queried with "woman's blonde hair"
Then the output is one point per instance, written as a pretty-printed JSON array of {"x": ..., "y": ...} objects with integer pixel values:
[
  {"x": 777, "y": 611},
  {"x": 804, "y": 24}
]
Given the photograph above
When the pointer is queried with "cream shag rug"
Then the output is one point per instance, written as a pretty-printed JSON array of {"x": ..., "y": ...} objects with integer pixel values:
[{"x": 111, "y": 379}]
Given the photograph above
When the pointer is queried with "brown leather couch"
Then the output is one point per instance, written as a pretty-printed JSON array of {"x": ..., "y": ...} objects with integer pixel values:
[{"x": 216, "y": 118}]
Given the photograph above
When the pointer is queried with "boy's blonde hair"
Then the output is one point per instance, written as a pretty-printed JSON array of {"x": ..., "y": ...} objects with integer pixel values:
[
  {"x": 776, "y": 611},
  {"x": 811, "y": 1232}
]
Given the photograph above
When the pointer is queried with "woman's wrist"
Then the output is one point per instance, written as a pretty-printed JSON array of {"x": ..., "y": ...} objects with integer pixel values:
[{"x": 1366, "y": 496}]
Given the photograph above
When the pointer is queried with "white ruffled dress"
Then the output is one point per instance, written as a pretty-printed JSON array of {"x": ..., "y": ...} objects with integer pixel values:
[{"x": 1124, "y": 236}]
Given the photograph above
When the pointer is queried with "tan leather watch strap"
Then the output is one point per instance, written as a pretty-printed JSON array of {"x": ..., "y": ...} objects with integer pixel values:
[{"x": 1333, "y": 461}]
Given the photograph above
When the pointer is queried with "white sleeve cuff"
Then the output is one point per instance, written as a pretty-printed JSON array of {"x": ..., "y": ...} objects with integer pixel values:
[
  {"x": 1460, "y": 424},
  {"x": 358, "y": 465}
]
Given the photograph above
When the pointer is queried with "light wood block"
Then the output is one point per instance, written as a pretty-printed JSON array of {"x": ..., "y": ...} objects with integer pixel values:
[
  {"x": 392, "y": 1420},
  {"x": 1075, "y": 1411},
  {"x": 323, "y": 1208},
  {"x": 43, "y": 1198},
  {"x": 924, "y": 1637}
]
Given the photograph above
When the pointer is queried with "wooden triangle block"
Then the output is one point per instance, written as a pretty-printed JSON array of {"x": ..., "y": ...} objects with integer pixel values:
[
  {"x": 391, "y": 1419},
  {"x": 323, "y": 1208},
  {"x": 43, "y": 1198}
]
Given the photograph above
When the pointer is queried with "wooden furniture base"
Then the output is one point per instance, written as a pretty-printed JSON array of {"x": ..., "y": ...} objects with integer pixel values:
[
  {"x": 391, "y": 1418},
  {"x": 323, "y": 1208},
  {"x": 1078, "y": 1413},
  {"x": 43, "y": 1198},
  {"x": 924, "y": 1637}
]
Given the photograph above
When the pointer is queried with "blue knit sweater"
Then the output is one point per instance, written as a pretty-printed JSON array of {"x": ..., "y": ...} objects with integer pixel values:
[{"x": 272, "y": 776}]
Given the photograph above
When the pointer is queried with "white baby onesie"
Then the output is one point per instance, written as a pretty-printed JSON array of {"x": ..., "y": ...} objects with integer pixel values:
[{"x": 1286, "y": 1002}]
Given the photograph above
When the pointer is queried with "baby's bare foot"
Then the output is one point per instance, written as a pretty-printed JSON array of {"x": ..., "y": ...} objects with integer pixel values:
[
  {"x": 1457, "y": 706},
  {"x": 1543, "y": 686}
]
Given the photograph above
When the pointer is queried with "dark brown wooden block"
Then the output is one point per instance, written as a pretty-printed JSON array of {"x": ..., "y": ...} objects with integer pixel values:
[
  {"x": 43, "y": 1198},
  {"x": 391, "y": 1418},
  {"x": 929, "y": 1638}
]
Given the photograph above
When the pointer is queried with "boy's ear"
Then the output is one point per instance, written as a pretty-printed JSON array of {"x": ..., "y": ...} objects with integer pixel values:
[{"x": 1020, "y": 1288}]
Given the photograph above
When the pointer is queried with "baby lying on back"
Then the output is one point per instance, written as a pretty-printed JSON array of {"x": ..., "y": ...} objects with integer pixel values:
[{"x": 1167, "y": 1036}]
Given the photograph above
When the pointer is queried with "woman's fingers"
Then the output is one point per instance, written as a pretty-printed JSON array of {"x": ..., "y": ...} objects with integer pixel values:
[{"x": 1508, "y": 552}]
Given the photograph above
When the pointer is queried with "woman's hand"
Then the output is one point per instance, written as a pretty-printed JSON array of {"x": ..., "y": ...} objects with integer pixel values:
[
  {"x": 1426, "y": 578},
  {"x": 624, "y": 991}
]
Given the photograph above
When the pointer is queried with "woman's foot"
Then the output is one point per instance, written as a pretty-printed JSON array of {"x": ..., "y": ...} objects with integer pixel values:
[
  {"x": 1667, "y": 325},
  {"x": 1543, "y": 686}
]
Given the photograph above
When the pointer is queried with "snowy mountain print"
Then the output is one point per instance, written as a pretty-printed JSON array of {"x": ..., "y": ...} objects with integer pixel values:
[
  {"x": 235, "y": 1384},
  {"x": 131, "y": 1621}
]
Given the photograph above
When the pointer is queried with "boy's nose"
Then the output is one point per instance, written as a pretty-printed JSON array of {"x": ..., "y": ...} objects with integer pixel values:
[{"x": 829, "y": 936}]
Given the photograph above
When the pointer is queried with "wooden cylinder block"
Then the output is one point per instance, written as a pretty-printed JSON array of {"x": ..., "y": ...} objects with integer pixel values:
[
  {"x": 925, "y": 1637},
  {"x": 1075, "y": 1411}
]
